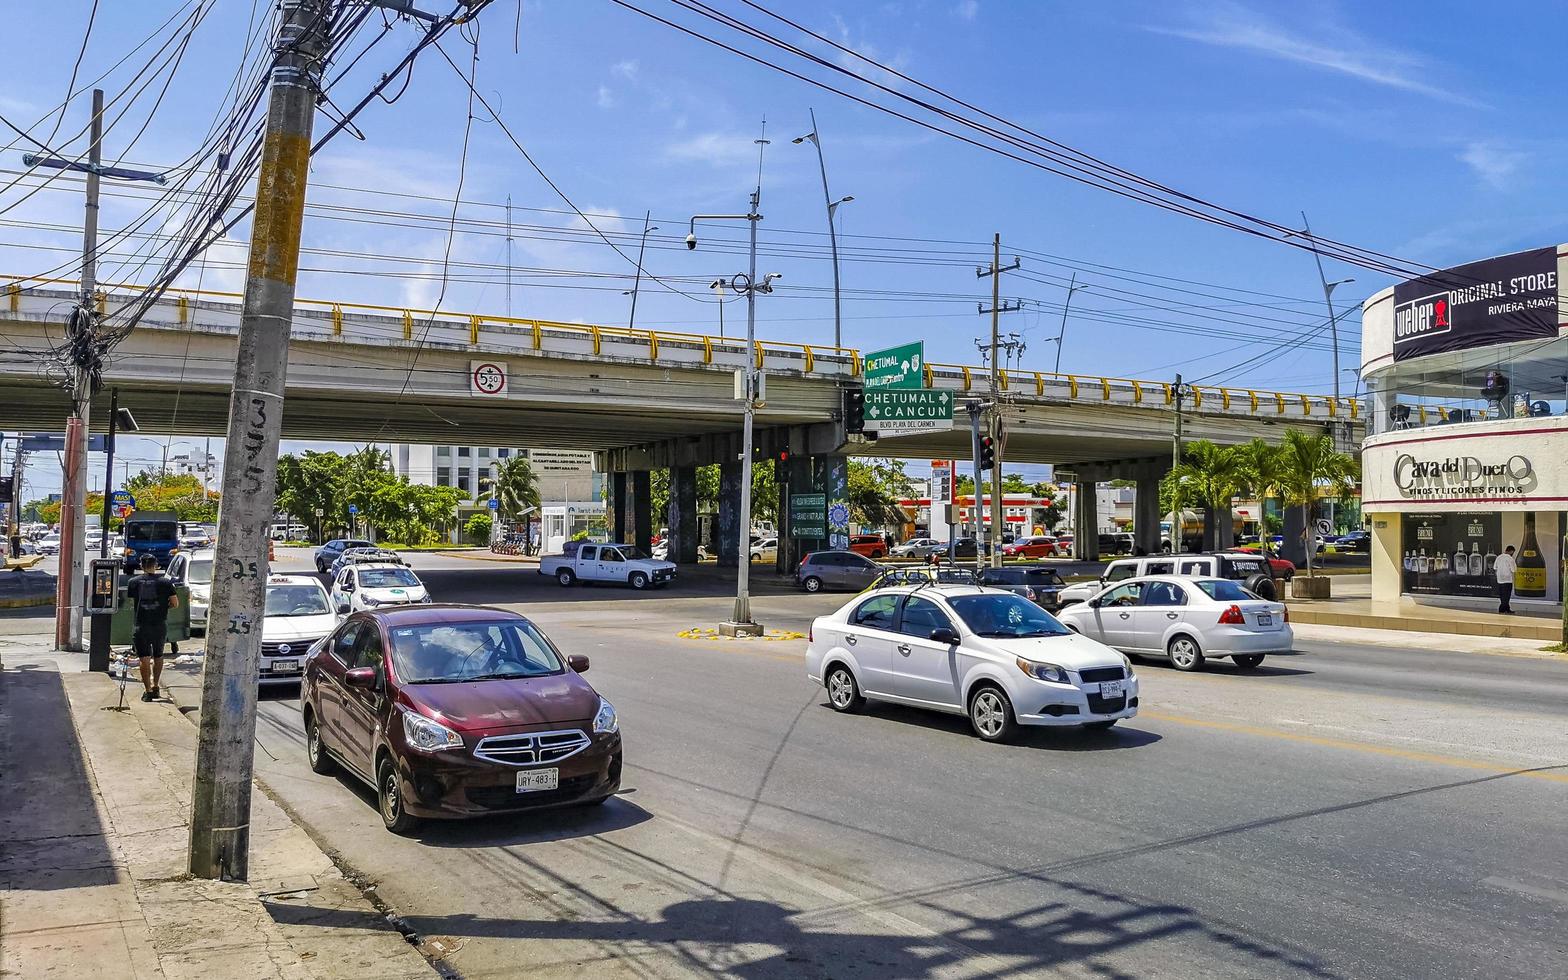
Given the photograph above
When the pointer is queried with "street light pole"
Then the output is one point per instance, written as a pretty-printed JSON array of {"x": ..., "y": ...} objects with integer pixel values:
[
  {"x": 1328, "y": 299},
  {"x": 1061, "y": 335},
  {"x": 637, "y": 283},
  {"x": 717, "y": 286},
  {"x": 832, "y": 208}
]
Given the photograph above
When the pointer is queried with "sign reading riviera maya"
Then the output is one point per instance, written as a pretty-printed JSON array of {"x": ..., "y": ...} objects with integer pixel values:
[{"x": 1493, "y": 301}]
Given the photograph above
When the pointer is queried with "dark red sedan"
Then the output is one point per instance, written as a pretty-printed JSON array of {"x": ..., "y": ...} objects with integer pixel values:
[{"x": 457, "y": 711}]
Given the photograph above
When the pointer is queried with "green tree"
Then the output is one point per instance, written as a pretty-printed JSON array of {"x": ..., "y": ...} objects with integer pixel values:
[
  {"x": 477, "y": 529},
  {"x": 516, "y": 487},
  {"x": 1261, "y": 473},
  {"x": 875, "y": 488},
  {"x": 1310, "y": 468},
  {"x": 1208, "y": 475},
  {"x": 181, "y": 494}
]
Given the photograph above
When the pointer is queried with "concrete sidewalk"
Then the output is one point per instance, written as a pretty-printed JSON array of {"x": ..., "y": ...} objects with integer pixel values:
[
  {"x": 92, "y": 853},
  {"x": 1352, "y": 606}
]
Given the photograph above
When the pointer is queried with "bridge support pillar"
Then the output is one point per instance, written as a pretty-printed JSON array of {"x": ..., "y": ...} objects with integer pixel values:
[
  {"x": 731, "y": 533},
  {"x": 1086, "y": 521},
  {"x": 1146, "y": 516},
  {"x": 642, "y": 510},
  {"x": 619, "y": 510},
  {"x": 833, "y": 478},
  {"x": 682, "y": 515}
]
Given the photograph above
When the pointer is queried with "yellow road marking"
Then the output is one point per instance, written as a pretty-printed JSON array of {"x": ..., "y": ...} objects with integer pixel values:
[{"x": 1339, "y": 743}]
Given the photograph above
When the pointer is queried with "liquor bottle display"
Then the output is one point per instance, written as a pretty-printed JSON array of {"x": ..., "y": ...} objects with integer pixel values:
[
  {"x": 1451, "y": 554},
  {"x": 1530, "y": 576}
]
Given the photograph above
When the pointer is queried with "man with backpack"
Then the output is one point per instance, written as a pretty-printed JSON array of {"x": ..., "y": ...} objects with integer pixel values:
[{"x": 151, "y": 595}]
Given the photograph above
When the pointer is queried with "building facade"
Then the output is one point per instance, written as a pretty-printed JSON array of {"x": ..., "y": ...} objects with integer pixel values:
[
  {"x": 1467, "y": 447},
  {"x": 567, "y": 478}
]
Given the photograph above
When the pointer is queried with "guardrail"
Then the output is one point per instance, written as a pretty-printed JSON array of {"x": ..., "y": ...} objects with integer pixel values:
[{"x": 487, "y": 333}]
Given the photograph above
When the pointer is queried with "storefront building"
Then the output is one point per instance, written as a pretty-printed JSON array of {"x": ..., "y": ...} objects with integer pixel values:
[{"x": 1466, "y": 374}]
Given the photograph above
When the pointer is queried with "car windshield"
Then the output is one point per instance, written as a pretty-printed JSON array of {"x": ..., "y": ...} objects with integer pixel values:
[
  {"x": 200, "y": 572},
  {"x": 150, "y": 531},
  {"x": 387, "y": 578},
  {"x": 297, "y": 600},
  {"x": 1005, "y": 616},
  {"x": 1224, "y": 590},
  {"x": 450, "y": 653},
  {"x": 631, "y": 554}
]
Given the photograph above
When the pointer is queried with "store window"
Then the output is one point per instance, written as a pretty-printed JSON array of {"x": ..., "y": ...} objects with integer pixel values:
[
  {"x": 1502, "y": 382},
  {"x": 443, "y": 476},
  {"x": 444, "y": 451},
  {"x": 464, "y": 452},
  {"x": 1451, "y": 554}
]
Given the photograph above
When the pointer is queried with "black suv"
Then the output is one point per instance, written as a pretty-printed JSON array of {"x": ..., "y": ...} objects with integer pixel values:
[{"x": 1040, "y": 584}]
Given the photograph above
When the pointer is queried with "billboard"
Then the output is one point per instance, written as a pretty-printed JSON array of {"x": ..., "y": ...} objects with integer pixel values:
[{"x": 1494, "y": 301}]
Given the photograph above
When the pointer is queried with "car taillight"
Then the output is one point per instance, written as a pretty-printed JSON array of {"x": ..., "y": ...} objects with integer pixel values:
[
  {"x": 1232, "y": 617},
  {"x": 1287, "y": 614},
  {"x": 1028, "y": 593}
]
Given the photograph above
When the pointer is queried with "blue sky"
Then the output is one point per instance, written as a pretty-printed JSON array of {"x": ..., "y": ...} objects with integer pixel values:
[{"x": 1423, "y": 130}]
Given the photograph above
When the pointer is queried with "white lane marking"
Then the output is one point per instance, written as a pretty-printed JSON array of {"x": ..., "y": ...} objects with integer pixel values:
[{"x": 1534, "y": 891}]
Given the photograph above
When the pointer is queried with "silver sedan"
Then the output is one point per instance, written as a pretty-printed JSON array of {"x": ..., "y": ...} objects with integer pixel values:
[{"x": 1187, "y": 620}]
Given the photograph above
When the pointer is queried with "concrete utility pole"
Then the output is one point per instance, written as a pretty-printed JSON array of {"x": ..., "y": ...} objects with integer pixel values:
[
  {"x": 1179, "y": 392},
  {"x": 70, "y": 594},
  {"x": 225, "y": 748},
  {"x": 996, "y": 311}
]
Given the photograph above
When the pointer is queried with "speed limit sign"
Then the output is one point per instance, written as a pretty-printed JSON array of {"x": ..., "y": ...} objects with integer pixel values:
[{"x": 487, "y": 378}]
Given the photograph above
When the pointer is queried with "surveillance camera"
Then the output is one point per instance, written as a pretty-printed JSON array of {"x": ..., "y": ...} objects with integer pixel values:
[{"x": 691, "y": 241}]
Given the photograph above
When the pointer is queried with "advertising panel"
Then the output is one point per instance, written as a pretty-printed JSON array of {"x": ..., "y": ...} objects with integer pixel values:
[
  {"x": 1451, "y": 554},
  {"x": 1494, "y": 301}
]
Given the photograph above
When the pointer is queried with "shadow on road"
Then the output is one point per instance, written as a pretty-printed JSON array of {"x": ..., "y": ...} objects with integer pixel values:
[{"x": 1068, "y": 739}]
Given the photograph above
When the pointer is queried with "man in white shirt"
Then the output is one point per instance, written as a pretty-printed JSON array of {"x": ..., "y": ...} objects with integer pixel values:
[{"x": 1505, "y": 579}]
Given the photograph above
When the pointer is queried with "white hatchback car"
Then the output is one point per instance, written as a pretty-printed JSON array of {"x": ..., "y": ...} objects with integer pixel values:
[
  {"x": 298, "y": 613},
  {"x": 985, "y": 653},
  {"x": 1184, "y": 619},
  {"x": 367, "y": 585}
]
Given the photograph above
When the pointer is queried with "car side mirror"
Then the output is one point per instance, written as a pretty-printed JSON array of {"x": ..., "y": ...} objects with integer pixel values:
[
  {"x": 1094, "y": 603},
  {"x": 577, "y": 662},
  {"x": 943, "y": 634},
  {"x": 344, "y": 609},
  {"x": 361, "y": 677},
  {"x": 348, "y": 586}
]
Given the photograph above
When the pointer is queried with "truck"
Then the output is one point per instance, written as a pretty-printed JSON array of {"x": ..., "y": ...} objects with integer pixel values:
[
  {"x": 585, "y": 561},
  {"x": 150, "y": 532}
]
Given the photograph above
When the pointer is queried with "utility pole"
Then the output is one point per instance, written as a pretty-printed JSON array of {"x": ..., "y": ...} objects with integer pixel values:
[
  {"x": 509, "y": 255},
  {"x": 83, "y": 335},
  {"x": 996, "y": 311},
  {"x": 225, "y": 748},
  {"x": 1179, "y": 392},
  {"x": 976, "y": 420}
]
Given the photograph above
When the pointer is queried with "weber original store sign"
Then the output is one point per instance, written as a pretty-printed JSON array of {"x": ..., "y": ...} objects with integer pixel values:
[{"x": 1494, "y": 301}]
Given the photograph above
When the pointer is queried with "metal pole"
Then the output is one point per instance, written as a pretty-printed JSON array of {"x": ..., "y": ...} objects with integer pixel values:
[
  {"x": 108, "y": 470},
  {"x": 225, "y": 749},
  {"x": 742, "y": 616},
  {"x": 1333, "y": 323},
  {"x": 1179, "y": 392},
  {"x": 1061, "y": 335},
  {"x": 637, "y": 283},
  {"x": 827, "y": 201},
  {"x": 73, "y": 512},
  {"x": 996, "y": 404},
  {"x": 974, "y": 428},
  {"x": 509, "y": 255}
]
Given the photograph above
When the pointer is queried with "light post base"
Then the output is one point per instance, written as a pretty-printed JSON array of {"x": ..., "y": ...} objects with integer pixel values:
[{"x": 740, "y": 629}]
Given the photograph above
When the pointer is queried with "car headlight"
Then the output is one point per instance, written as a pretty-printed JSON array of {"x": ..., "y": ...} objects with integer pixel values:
[
  {"x": 1043, "y": 671},
  {"x": 1127, "y": 662},
  {"x": 428, "y": 736},
  {"x": 369, "y": 601},
  {"x": 427, "y": 598},
  {"x": 605, "y": 722}
]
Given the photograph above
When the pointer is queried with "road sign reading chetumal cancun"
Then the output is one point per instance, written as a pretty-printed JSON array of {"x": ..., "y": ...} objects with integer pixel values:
[{"x": 896, "y": 367}]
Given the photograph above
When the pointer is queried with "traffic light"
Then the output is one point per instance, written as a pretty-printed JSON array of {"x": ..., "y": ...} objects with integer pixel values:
[
  {"x": 987, "y": 452},
  {"x": 854, "y": 410}
]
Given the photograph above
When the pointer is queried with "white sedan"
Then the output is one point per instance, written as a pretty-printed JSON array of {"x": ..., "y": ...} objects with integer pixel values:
[
  {"x": 988, "y": 654},
  {"x": 1185, "y": 619},
  {"x": 367, "y": 585}
]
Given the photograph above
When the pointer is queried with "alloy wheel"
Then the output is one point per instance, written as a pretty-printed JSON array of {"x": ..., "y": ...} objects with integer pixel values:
[
  {"x": 840, "y": 689},
  {"x": 1185, "y": 654},
  {"x": 989, "y": 713}
]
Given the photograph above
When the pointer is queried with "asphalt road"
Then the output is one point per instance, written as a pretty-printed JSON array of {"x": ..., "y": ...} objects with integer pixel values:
[{"x": 1345, "y": 812}]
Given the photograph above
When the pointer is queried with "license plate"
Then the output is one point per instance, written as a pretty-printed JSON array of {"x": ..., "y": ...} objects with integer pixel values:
[
  {"x": 285, "y": 666},
  {"x": 535, "y": 780},
  {"x": 1265, "y": 619},
  {"x": 1111, "y": 689}
]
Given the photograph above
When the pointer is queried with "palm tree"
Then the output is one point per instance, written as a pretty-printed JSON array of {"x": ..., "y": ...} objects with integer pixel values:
[
  {"x": 1309, "y": 467},
  {"x": 1260, "y": 474},
  {"x": 1209, "y": 475},
  {"x": 516, "y": 487}
]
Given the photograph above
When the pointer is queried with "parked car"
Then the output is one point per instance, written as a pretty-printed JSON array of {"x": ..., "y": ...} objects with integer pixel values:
[
  {"x": 963, "y": 549},
  {"x": 915, "y": 574},
  {"x": 766, "y": 549},
  {"x": 835, "y": 571},
  {"x": 870, "y": 545},
  {"x": 193, "y": 569},
  {"x": 457, "y": 711},
  {"x": 1033, "y": 546},
  {"x": 1356, "y": 541},
  {"x": 355, "y": 556},
  {"x": 1185, "y": 620},
  {"x": 329, "y": 552},
  {"x": 608, "y": 563},
  {"x": 1237, "y": 566},
  {"x": 1040, "y": 584},
  {"x": 991, "y": 655},
  {"x": 368, "y": 585},
  {"x": 1116, "y": 543},
  {"x": 49, "y": 544},
  {"x": 298, "y": 613},
  {"x": 917, "y": 548}
]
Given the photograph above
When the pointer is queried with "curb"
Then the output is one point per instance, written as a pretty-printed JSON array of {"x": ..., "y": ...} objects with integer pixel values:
[
  {"x": 26, "y": 602},
  {"x": 1549, "y": 630}
]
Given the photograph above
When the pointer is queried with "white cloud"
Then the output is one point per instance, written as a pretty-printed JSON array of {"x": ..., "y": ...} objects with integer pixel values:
[
  {"x": 967, "y": 9},
  {"x": 625, "y": 69},
  {"x": 717, "y": 149},
  {"x": 605, "y": 98},
  {"x": 1339, "y": 49},
  {"x": 1492, "y": 162}
]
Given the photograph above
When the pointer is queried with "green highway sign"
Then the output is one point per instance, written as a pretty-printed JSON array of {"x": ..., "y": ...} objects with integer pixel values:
[
  {"x": 808, "y": 515},
  {"x": 896, "y": 367},
  {"x": 906, "y": 411}
]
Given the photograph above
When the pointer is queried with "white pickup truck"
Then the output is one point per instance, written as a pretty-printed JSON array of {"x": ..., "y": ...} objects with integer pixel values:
[{"x": 606, "y": 563}]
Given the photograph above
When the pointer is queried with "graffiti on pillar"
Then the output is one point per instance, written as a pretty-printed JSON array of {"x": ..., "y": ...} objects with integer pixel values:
[{"x": 835, "y": 481}]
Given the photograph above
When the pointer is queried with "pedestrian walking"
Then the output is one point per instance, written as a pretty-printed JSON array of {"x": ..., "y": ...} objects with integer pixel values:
[
  {"x": 1505, "y": 580},
  {"x": 152, "y": 596}
]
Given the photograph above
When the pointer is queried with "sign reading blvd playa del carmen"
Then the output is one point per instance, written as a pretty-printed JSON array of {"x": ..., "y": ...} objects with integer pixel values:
[{"x": 1494, "y": 301}]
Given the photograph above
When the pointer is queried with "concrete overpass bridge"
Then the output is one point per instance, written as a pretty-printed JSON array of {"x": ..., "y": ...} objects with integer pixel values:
[{"x": 644, "y": 398}]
